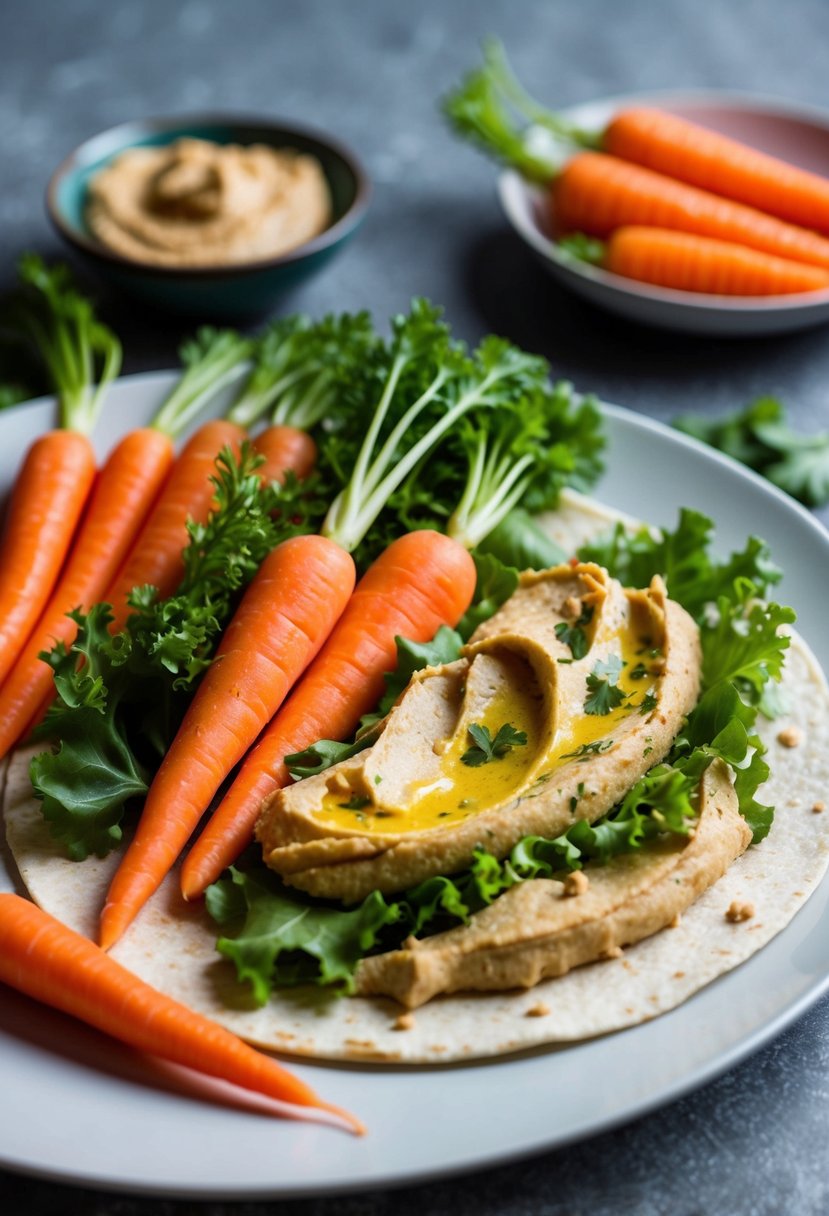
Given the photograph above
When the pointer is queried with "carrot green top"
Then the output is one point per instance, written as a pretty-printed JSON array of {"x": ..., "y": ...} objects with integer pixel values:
[{"x": 73, "y": 344}]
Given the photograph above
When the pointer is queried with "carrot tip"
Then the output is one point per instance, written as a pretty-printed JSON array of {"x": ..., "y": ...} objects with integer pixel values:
[{"x": 351, "y": 1122}]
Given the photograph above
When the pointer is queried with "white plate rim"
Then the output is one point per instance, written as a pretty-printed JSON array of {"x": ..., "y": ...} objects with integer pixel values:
[{"x": 363, "y": 1165}]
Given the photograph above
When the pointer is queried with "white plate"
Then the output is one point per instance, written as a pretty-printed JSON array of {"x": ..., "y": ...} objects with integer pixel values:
[
  {"x": 79, "y": 1108},
  {"x": 799, "y": 134}
]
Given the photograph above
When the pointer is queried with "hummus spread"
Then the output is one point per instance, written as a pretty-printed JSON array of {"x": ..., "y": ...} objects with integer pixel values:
[
  {"x": 593, "y": 679},
  {"x": 197, "y": 203},
  {"x": 535, "y": 932}
]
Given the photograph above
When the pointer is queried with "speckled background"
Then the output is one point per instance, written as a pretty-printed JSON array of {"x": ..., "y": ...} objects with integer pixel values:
[{"x": 753, "y": 1143}]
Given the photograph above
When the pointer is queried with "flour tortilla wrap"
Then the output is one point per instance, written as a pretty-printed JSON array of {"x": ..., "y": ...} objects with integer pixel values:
[{"x": 172, "y": 944}]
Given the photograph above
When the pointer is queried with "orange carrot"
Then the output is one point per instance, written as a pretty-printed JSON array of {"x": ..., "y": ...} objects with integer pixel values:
[
  {"x": 285, "y": 616},
  {"x": 596, "y": 193},
  {"x": 46, "y": 504},
  {"x": 421, "y": 581},
  {"x": 123, "y": 494},
  {"x": 705, "y": 158},
  {"x": 286, "y": 449},
  {"x": 699, "y": 263},
  {"x": 155, "y": 558},
  {"x": 44, "y": 959}
]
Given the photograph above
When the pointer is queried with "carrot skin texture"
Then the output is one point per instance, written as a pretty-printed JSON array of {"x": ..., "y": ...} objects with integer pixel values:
[
  {"x": 43, "y": 513},
  {"x": 155, "y": 558},
  {"x": 596, "y": 193},
  {"x": 285, "y": 449},
  {"x": 46, "y": 960},
  {"x": 421, "y": 581},
  {"x": 702, "y": 264},
  {"x": 704, "y": 158},
  {"x": 284, "y": 618},
  {"x": 124, "y": 492}
]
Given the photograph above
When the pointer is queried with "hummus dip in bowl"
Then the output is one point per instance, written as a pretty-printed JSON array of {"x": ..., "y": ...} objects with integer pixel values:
[{"x": 206, "y": 166}]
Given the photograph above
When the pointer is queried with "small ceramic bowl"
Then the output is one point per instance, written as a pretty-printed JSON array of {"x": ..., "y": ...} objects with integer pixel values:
[
  {"x": 794, "y": 133},
  {"x": 243, "y": 289}
]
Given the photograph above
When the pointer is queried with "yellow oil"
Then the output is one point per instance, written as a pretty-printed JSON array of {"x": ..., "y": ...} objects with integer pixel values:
[{"x": 461, "y": 790}]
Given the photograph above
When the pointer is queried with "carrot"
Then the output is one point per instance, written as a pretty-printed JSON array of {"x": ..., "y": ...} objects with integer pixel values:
[
  {"x": 155, "y": 558},
  {"x": 698, "y": 263},
  {"x": 46, "y": 960},
  {"x": 46, "y": 504},
  {"x": 124, "y": 492},
  {"x": 694, "y": 154},
  {"x": 285, "y": 449},
  {"x": 285, "y": 616},
  {"x": 492, "y": 109},
  {"x": 421, "y": 581},
  {"x": 596, "y": 193},
  {"x": 81, "y": 358}
]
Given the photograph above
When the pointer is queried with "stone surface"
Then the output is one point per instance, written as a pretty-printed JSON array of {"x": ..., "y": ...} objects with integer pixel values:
[{"x": 754, "y": 1142}]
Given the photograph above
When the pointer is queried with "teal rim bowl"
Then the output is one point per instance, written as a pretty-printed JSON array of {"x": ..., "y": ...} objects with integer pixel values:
[{"x": 243, "y": 288}]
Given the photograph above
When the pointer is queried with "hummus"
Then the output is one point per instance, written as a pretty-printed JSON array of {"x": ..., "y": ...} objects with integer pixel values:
[
  {"x": 594, "y": 680},
  {"x": 536, "y": 931},
  {"x": 197, "y": 203}
]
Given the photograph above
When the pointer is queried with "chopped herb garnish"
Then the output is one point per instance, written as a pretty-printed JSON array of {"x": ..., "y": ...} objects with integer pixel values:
[
  {"x": 639, "y": 672},
  {"x": 574, "y": 635},
  {"x": 357, "y": 802},
  {"x": 589, "y": 749},
  {"x": 603, "y": 693},
  {"x": 647, "y": 703},
  {"x": 574, "y": 800},
  {"x": 486, "y": 748}
]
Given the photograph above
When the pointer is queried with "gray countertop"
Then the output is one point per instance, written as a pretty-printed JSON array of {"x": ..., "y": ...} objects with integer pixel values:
[{"x": 753, "y": 1142}]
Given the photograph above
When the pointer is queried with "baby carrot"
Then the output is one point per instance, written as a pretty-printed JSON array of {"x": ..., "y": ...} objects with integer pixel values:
[
  {"x": 155, "y": 558},
  {"x": 285, "y": 616},
  {"x": 596, "y": 193},
  {"x": 285, "y": 449},
  {"x": 421, "y": 581},
  {"x": 125, "y": 490},
  {"x": 44, "y": 959},
  {"x": 46, "y": 504},
  {"x": 698, "y": 263},
  {"x": 701, "y": 157}
]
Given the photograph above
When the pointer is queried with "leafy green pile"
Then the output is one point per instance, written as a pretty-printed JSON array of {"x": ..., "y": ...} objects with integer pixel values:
[
  {"x": 281, "y": 937},
  {"x": 761, "y": 437}
]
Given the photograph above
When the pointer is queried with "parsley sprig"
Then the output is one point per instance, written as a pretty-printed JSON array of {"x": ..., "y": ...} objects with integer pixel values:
[
  {"x": 604, "y": 695},
  {"x": 487, "y": 747},
  {"x": 761, "y": 437}
]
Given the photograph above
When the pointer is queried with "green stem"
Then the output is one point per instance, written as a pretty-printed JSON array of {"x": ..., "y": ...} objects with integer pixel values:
[
  {"x": 198, "y": 385},
  {"x": 339, "y": 522},
  {"x": 496, "y": 60}
]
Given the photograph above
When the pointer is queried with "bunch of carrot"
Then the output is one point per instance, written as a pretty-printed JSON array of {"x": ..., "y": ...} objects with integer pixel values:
[
  {"x": 73, "y": 536},
  {"x": 680, "y": 205},
  {"x": 306, "y": 653}
]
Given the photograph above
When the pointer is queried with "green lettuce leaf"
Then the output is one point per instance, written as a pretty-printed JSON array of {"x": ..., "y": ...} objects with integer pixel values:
[
  {"x": 683, "y": 557},
  {"x": 285, "y": 940}
]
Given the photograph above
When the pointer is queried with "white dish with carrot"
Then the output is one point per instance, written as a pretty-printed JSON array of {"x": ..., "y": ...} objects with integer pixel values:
[
  {"x": 702, "y": 211},
  {"x": 119, "y": 711}
]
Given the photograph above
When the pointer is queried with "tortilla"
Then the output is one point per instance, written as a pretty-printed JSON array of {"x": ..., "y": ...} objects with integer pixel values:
[{"x": 172, "y": 944}]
